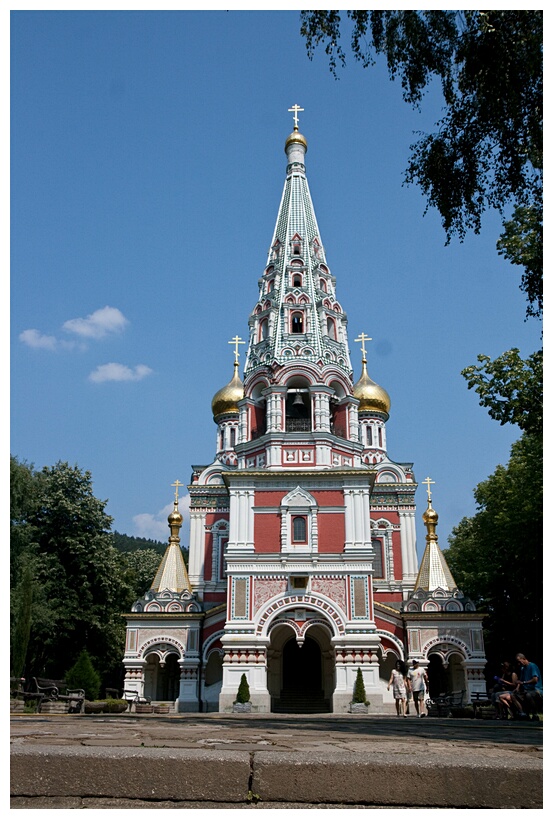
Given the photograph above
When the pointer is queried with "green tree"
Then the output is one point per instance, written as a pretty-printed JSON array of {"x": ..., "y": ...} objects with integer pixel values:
[
  {"x": 496, "y": 556},
  {"x": 511, "y": 388},
  {"x": 129, "y": 543},
  {"x": 79, "y": 587},
  {"x": 359, "y": 693},
  {"x": 486, "y": 151},
  {"x": 83, "y": 675},
  {"x": 21, "y": 621},
  {"x": 243, "y": 690},
  {"x": 140, "y": 566}
]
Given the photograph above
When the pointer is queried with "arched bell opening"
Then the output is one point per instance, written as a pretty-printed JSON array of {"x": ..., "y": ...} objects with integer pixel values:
[{"x": 298, "y": 406}]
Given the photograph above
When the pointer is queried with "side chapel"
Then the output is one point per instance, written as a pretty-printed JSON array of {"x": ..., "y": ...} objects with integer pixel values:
[{"x": 303, "y": 564}]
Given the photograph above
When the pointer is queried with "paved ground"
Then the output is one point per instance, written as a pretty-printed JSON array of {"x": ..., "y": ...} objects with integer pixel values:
[{"x": 323, "y": 761}]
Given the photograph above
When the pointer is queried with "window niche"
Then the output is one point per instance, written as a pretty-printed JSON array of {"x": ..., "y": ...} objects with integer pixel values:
[{"x": 299, "y": 531}]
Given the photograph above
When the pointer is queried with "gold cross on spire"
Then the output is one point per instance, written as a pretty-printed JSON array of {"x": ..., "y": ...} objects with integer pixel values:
[
  {"x": 362, "y": 338},
  {"x": 428, "y": 492},
  {"x": 236, "y": 341},
  {"x": 176, "y": 485},
  {"x": 295, "y": 109}
]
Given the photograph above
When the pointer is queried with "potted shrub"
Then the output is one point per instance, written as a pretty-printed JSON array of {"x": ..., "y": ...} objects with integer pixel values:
[
  {"x": 242, "y": 705},
  {"x": 94, "y": 707},
  {"x": 113, "y": 706},
  {"x": 144, "y": 708},
  {"x": 359, "y": 703},
  {"x": 161, "y": 708}
]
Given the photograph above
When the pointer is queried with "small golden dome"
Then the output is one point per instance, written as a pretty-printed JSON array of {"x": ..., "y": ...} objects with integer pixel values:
[
  {"x": 430, "y": 515},
  {"x": 175, "y": 518},
  {"x": 372, "y": 397},
  {"x": 295, "y": 136},
  {"x": 227, "y": 398}
]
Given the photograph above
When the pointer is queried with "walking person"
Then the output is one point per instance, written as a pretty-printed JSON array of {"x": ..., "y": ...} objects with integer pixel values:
[
  {"x": 418, "y": 683},
  {"x": 398, "y": 681}
]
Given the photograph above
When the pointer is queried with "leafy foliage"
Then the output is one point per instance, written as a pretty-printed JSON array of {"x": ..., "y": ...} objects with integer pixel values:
[
  {"x": 496, "y": 556},
  {"x": 486, "y": 151},
  {"x": 243, "y": 690},
  {"x": 140, "y": 566},
  {"x": 359, "y": 693},
  {"x": 129, "y": 543},
  {"x": 61, "y": 532},
  {"x": 83, "y": 675},
  {"x": 511, "y": 388}
]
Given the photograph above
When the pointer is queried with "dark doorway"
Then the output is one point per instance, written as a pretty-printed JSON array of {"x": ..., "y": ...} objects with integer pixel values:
[
  {"x": 168, "y": 679},
  {"x": 437, "y": 676},
  {"x": 301, "y": 669},
  {"x": 302, "y": 689}
]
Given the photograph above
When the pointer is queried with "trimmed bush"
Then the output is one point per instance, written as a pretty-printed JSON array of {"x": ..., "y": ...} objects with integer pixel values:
[
  {"x": 359, "y": 694},
  {"x": 83, "y": 675},
  {"x": 243, "y": 690}
]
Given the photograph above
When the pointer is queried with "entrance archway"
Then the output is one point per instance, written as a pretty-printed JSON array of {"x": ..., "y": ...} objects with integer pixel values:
[
  {"x": 300, "y": 676},
  {"x": 161, "y": 682}
]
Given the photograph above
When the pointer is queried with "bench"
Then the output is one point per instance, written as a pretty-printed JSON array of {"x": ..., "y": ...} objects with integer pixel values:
[
  {"x": 444, "y": 704},
  {"x": 17, "y": 692},
  {"x": 51, "y": 691},
  {"x": 479, "y": 700}
]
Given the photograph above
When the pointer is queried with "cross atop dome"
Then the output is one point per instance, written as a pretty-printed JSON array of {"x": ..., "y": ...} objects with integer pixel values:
[{"x": 295, "y": 109}]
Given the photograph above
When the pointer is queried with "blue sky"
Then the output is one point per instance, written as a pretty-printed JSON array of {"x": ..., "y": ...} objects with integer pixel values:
[{"x": 147, "y": 165}]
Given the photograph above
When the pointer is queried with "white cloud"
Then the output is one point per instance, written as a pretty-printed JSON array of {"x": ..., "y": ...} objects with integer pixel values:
[
  {"x": 156, "y": 526},
  {"x": 37, "y": 340},
  {"x": 98, "y": 324},
  {"x": 119, "y": 372}
]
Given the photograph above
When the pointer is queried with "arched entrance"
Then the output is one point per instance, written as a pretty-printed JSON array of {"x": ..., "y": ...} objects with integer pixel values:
[
  {"x": 300, "y": 675},
  {"x": 161, "y": 680},
  {"x": 445, "y": 674}
]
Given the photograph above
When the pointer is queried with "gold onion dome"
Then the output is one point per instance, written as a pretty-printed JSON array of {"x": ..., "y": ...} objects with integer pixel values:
[
  {"x": 430, "y": 515},
  {"x": 295, "y": 137},
  {"x": 372, "y": 397},
  {"x": 227, "y": 398},
  {"x": 175, "y": 518}
]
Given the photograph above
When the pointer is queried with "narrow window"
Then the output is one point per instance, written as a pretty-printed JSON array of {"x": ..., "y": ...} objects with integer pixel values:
[
  {"x": 296, "y": 281},
  {"x": 379, "y": 436},
  {"x": 331, "y": 329},
  {"x": 297, "y": 322},
  {"x": 299, "y": 529},
  {"x": 369, "y": 436},
  {"x": 297, "y": 249},
  {"x": 322, "y": 285},
  {"x": 263, "y": 329},
  {"x": 232, "y": 436}
]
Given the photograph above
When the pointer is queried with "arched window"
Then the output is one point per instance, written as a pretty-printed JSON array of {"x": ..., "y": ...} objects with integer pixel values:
[
  {"x": 296, "y": 280},
  {"x": 299, "y": 529},
  {"x": 232, "y": 436},
  {"x": 297, "y": 323},
  {"x": 331, "y": 329},
  {"x": 379, "y": 436},
  {"x": 369, "y": 436},
  {"x": 270, "y": 285},
  {"x": 322, "y": 285},
  {"x": 263, "y": 329}
]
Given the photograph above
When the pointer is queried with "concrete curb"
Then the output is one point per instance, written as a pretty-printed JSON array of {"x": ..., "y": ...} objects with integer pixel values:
[{"x": 485, "y": 779}]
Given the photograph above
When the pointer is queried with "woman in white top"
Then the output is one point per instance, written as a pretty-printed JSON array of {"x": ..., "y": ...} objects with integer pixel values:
[{"x": 399, "y": 683}]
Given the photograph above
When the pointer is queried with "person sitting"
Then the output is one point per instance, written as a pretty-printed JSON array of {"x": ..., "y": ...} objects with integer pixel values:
[
  {"x": 529, "y": 689},
  {"x": 502, "y": 694}
]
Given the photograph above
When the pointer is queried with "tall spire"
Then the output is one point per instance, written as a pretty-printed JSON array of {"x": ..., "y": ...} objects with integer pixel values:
[
  {"x": 172, "y": 574},
  {"x": 297, "y": 315},
  {"x": 434, "y": 573}
]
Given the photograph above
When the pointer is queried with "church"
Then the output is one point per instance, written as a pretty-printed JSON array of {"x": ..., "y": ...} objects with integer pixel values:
[{"x": 303, "y": 563}]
